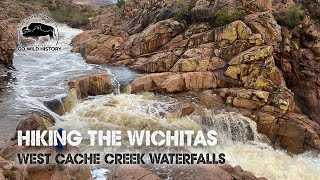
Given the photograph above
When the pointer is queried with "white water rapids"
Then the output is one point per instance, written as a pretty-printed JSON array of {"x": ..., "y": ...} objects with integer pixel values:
[
  {"x": 42, "y": 76},
  {"x": 137, "y": 112}
]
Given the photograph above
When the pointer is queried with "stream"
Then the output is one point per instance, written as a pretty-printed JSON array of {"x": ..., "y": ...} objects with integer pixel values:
[{"x": 43, "y": 76}]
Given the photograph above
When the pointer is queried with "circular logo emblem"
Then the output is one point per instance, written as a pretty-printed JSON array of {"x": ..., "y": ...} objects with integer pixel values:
[{"x": 38, "y": 30}]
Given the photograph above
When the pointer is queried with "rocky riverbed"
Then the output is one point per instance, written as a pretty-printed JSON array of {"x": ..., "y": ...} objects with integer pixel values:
[{"x": 161, "y": 68}]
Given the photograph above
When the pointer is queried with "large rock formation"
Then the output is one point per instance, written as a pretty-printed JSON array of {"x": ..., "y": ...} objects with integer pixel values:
[
  {"x": 98, "y": 47},
  {"x": 253, "y": 65},
  {"x": 298, "y": 58}
]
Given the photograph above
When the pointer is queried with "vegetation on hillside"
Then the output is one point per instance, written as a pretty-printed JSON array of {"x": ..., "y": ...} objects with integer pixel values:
[
  {"x": 313, "y": 7},
  {"x": 120, "y": 3},
  {"x": 291, "y": 17},
  {"x": 225, "y": 16},
  {"x": 64, "y": 11},
  {"x": 74, "y": 15},
  {"x": 182, "y": 10}
]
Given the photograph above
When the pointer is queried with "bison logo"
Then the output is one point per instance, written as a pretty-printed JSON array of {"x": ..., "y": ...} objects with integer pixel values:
[{"x": 38, "y": 30}]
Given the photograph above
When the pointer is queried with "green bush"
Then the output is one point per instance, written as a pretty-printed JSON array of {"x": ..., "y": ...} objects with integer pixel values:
[
  {"x": 8, "y": 173},
  {"x": 291, "y": 17},
  {"x": 182, "y": 10},
  {"x": 74, "y": 15},
  {"x": 313, "y": 7},
  {"x": 120, "y": 3},
  {"x": 225, "y": 16}
]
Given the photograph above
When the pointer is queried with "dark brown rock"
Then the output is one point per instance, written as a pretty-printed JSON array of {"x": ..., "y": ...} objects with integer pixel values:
[
  {"x": 258, "y": 5},
  {"x": 297, "y": 60}
]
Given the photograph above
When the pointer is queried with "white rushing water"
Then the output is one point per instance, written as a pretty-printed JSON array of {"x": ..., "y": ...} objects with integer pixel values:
[
  {"x": 237, "y": 135},
  {"x": 43, "y": 76},
  {"x": 39, "y": 77}
]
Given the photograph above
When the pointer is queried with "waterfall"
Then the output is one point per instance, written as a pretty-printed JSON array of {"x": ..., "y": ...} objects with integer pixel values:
[{"x": 237, "y": 135}]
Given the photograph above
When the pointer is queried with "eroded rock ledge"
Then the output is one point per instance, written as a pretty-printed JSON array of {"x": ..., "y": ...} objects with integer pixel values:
[{"x": 80, "y": 88}]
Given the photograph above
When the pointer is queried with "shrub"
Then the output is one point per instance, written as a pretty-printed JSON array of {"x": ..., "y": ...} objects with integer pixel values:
[
  {"x": 8, "y": 174},
  {"x": 225, "y": 16},
  {"x": 291, "y": 17},
  {"x": 313, "y": 7},
  {"x": 120, "y": 3},
  {"x": 73, "y": 15},
  {"x": 182, "y": 10}
]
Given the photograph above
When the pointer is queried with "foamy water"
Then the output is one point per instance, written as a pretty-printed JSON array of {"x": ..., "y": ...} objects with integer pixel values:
[
  {"x": 237, "y": 135},
  {"x": 43, "y": 76}
]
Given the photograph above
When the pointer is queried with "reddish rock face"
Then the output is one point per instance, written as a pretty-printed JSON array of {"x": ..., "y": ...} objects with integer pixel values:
[
  {"x": 99, "y": 48},
  {"x": 265, "y": 24},
  {"x": 80, "y": 88},
  {"x": 292, "y": 131},
  {"x": 185, "y": 108},
  {"x": 261, "y": 85},
  {"x": 200, "y": 172},
  {"x": 155, "y": 36},
  {"x": 238, "y": 173},
  {"x": 298, "y": 59},
  {"x": 34, "y": 122},
  {"x": 174, "y": 82},
  {"x": 160, "y": 62},
  {"x": 210, "y": 99},
  {"x": 91, "y": 85},
  {"x": 9, "y": 42}
]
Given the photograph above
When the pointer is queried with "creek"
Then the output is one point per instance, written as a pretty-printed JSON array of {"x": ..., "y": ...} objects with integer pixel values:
[{"x": 43, "y": 76}]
